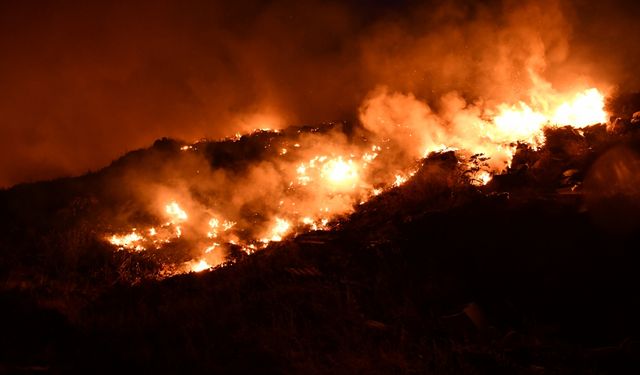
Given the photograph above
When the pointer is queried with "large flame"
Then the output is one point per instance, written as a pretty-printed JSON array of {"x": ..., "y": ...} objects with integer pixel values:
[
  {"x": 523, "y": 123},
  {"x": 586, "y": 108}
]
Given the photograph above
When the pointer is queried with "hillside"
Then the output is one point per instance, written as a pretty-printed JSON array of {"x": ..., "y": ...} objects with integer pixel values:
[{"x": 534, "y": 272}]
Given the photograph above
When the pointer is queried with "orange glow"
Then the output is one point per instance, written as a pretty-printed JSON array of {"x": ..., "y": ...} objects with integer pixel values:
[
  {"x": 340, "y": 173},
  {"x": 489, "y": 129},
  {"x": 519, "y": 123},
  {"x": 522, "y": 123},
  {"x": 308, "y": 184},
  {"x": 279, "y": 230},
  {"x": 586, "y": 108},
  {"x": 315, "y": 225},
  {"x": 129, "y": 241},
  {"x": 200, "y": 266},
  {"x": 399, "y": 180},
  {"x": 176, "y": 213},
  {"x": 227, "y": 225},
  {"x": 481, "y": 178}
]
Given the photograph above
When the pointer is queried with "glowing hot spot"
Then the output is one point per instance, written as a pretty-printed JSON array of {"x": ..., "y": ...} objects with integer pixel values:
[
  {"x": 481, "y": 178},
  {"x": 519, "y": 123},
  {"x": 524, "y": 123},
  {"x": 280, "y": 229},
  {"x": 176, "y": 213},
  {"x": 202, "y": 265},
  {"x": 129, "y": 241},
  {"x": 340, "y": 173},
  {"x": 587, "y": 108}
]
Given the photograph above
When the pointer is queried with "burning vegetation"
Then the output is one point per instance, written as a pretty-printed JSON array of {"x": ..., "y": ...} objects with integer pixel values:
[
  {"x": 304, "y": 179},
  {"x": 475, "y": 210},
  {"x": 431, "y": 261}
]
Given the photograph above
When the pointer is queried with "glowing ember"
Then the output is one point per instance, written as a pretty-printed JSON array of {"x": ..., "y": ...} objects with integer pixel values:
[
  {"x": 213, "y": 224},
  {"x": 399, "y": 180},
  {"x": 211, "y": 248},
  {"x": 226, "y": 225},
  {"x": 129, "y": 241},
  {"x": 519, "y": 123},
  {"x": 315, "y": 225},
  {"x": 481, "y": 178}
]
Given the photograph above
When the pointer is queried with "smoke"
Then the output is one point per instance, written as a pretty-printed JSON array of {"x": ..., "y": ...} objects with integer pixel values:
[
  {"x": 483, "y": 76},
  {"x": 197, "y": 202},
  {"x": 81, "y": 83}
]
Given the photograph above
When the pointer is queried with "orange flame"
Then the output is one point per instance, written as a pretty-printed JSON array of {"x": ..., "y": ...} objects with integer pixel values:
[
  {"x": 339, "y": 173},
  {"x": 176, "y": 213}
]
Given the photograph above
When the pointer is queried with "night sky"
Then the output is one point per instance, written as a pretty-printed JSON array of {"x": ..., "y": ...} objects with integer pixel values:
[{"x": 83, "y": 82}]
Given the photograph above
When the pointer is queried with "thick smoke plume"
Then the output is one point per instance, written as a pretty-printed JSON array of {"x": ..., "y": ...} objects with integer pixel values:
[{"x": 80, "y": 83}]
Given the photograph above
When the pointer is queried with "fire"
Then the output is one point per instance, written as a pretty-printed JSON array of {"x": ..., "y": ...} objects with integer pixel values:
[
  {"x": 315, "y": 225},
  {"x": 481, "y": 178},
  {"x": 587, "y": 108},
  {"x": 399, "y": 180},
  {"x": 227, "y": 225},
  {"x": 213, "y": 224},
  {"x": 211, "y": 248},
  {"x": 340, "y": 173},
  {"x": 280, "y": 229},
  {"x": 200, "y": 266},
  {"x": 130, "y": 241},
  {"x": 522, "y": 123},
  {"x": 313, "y": 178},
  {"x": 176, "y": 213},
  {"x": 519, "y": 123}
]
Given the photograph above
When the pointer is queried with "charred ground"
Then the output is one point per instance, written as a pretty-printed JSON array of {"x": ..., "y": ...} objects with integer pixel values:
[{"x": 534, "y": 273}]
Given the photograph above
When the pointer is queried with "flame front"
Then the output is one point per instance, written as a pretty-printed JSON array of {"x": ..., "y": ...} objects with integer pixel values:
[
  {"x": 313, "y": 178},
  {"x": 523, "y": 123},
  {"x": 586, "y": 108}
]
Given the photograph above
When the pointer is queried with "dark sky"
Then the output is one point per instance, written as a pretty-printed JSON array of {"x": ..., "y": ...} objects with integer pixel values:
[{"x": 82, "y": 82}]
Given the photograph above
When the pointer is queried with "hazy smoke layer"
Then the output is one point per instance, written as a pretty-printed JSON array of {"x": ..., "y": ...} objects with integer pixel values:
[{"x": 82, "y": 82}]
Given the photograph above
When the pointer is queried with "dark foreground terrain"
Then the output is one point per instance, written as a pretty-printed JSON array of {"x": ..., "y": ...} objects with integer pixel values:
[{"x": 535, "y": 273}]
